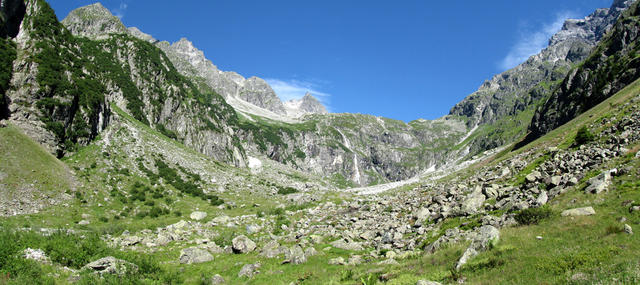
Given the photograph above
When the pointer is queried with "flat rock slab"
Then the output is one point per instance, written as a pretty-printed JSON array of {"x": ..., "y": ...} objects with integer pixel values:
[
  {"x": 197, "y": 215},
  {"x": 586, "y": 211},
  {"x": 194, "y": 255}
]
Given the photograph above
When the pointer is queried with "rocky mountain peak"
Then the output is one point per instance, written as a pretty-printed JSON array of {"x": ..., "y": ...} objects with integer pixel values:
[
  {"x": 93, "y": 21},
  {"x": 305, "y": 105},
  {"x": 141, "y": 35},
  {"x": 593, "y": 27}
]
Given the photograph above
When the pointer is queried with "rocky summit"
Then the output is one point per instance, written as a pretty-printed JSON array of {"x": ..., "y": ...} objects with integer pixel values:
[{"x": 128, "y": 159}]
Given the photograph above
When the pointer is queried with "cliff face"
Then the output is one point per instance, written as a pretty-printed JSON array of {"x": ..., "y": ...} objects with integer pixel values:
[
  {"x": 63, "y": 86},
  {"x": 612, "y": 65},
  {"x": 502, "y": 107}
]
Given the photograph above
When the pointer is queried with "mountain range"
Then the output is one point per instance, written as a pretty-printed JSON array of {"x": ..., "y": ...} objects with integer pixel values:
[{"x": 111, "y": 134}]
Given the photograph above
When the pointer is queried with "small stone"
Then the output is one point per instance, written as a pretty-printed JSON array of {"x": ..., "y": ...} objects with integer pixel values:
[
  {"x": 628, "y": 229},
  {"x": 538, "y": 237},
  {"x": 83, "y": 222}
]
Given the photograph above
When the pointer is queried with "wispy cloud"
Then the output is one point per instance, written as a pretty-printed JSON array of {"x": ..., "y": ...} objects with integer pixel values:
[
  {"x": 296, "y": 89},
  {"x": 121, "y": 10},
  {"x": 532, "y": 41}
]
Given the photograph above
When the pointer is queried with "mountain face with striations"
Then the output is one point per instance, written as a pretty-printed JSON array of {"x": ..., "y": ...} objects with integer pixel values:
[
  {"x": 503, "y": 107},
  {"x": 64, "y": 101},
  {"x": 613, "y": 65}
]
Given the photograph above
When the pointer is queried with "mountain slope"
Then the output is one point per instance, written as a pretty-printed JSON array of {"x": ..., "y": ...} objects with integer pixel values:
[
  {"x": 62, "y": 87},
  {"x": 503, "y": 107},
  {"x": 614, "y": 63}
]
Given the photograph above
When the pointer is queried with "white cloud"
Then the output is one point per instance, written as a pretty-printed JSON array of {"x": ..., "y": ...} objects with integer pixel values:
[
  {"x": 296, "y": 89},
  {"x": 121, "y": 10},
  {"x": 533, "y": 41}
]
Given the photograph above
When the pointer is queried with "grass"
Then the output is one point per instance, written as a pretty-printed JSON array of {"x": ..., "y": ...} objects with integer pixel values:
[{"x": 25, "y": 163}]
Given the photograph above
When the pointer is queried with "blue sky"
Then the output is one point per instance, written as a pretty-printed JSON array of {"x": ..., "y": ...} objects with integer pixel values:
[{"x": 399, "y": 59}]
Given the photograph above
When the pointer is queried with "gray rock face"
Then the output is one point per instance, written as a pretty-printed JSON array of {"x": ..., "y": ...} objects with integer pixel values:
[
  {"x": 257, "y": 92},
  {"x": 194, "y": 255},
  {"x": 94, "y": 21},
  {"x": 586, "y": 211},
  {"x": 594, "y": 80},
  {"x": 242, "y": 244},
  {"x": 111, "y": 265},
  {"x": 517, "y": 90}
]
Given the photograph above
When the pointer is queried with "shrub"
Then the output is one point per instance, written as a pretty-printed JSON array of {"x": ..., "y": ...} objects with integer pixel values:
[
  {"x": 583, "y": 136},
  {"x": 286, "y": 190},
  {"x": 532, "y": 216}
]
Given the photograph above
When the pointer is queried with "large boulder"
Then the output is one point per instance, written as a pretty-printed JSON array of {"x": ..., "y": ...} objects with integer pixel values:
[
  {"x": 586, "y": 211},
  {"x": 249, "y": 270},
  {"x": 112, "y": 265},
  {"x": 242, "y": 244},
  {"x": 347, "y": 245},
  {"x": 484, "y": 238},
  {"x": 600, "y": 183},
  {"x": 295, "y": 255},
  {"x": 197, "y": 215},
  {"x": 473, "y": 202},
  {"x": 194, "y": 255}
]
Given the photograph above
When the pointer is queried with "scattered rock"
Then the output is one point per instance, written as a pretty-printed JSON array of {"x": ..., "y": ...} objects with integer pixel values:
[
  {"x": 242, "y": 244},
  {"x": 533, "y": 176},
  {"x": 295, "y": 255},
  {"x": 347, "y": 245},
  {"x": 194, "y": 255},
  {"x": 249, "y": 270},
  {"x": 538, "y": 237},
  {"x": 130, "y": 240},
  {"x": 389, "y": 261},
  {"x": 271, "y": 250},
  {"x": 426, "y": 282},
  {"x": 217, "y": 280},
  {"x": 542, "y": 198},
  {"x": 628, "y": 229},
  {"x": 83, "y": 222},
  {"x": 600, "y": 183},
  {"x": 473, "y": 202},
  {"x": 586, "y": 211},
  {"x": 112, "y": 265},
  {"x": 252, "y": 229},
  {"x": 197, "y": 215},
  {"x": 337, "y": 261},
  {"x": 355, "y": 260},
  {"x": 36, "y": 254}
]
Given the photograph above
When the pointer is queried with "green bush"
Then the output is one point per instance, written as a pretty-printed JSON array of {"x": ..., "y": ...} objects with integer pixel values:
[
  {"x": 287, "y": 190},
  {"x": 583, "y": 136},
  {"x": 532, "y": 216}
]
